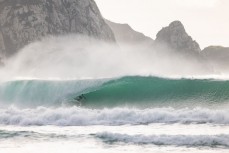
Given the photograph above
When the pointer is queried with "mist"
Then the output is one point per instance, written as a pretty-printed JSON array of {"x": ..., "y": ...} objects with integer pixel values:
[{"x": 82, "y": 57}]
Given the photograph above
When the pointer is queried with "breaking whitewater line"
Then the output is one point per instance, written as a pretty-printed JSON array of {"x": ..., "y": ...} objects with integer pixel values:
[
  {"x": 175, "y": 140},
  {"x": 76, "y": 116}
]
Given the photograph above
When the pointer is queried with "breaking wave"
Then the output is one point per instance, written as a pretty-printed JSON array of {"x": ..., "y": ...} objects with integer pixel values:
[
  {"x": 76, "y": 116},
  {"x": 175, "y": 140},
  {"x": 127, "y": 91}
]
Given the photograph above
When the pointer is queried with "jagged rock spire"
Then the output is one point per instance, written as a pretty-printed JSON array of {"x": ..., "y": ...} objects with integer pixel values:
[{"x": 175, "y": 37}]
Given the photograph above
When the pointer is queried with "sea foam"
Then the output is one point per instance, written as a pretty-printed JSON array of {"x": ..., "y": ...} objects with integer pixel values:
[
  {"x": 177, "y": 140},
  {"x": 77, "y": 116}
]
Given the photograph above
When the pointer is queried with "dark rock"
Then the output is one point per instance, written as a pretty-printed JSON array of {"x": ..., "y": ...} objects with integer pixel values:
[
  {"x": 216, "y": 52},
  {"x": 25, "y": 21},
  {"x": 217, "y": 56},
  {"x": 175, "y": 37}
]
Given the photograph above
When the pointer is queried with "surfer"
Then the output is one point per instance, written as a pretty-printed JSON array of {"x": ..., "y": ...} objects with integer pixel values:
[{"x": 80, "y": 98}]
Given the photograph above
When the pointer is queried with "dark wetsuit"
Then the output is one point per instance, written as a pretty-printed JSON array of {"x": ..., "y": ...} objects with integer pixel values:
[{"x": 80, "y": 98}]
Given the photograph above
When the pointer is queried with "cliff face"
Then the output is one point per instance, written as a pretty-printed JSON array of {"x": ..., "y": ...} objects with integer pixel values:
[
  {"x": 24, "y": 21},
  {"x": 216, "y": 52},
  {"x": 217, "y": 56},
  {"x": 175, "y": 37},
  {"x": 125, "y": 34}
]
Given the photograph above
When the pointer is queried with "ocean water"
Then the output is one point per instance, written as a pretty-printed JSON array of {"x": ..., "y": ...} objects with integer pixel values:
[{"x": 116, "y": 115}]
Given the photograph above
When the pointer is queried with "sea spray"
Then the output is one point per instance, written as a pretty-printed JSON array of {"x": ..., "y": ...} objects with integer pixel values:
[{"x": 80, "y": 57}]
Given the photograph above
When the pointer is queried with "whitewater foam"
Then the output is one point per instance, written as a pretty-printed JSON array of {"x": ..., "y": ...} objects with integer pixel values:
[
  {"x": 176, "y": 140},
  {"x": 76, "y": 116}
]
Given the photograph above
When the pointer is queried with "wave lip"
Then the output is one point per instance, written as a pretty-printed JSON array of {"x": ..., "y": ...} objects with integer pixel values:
[
  {"x": 170, "y": 140},
  {"x": 76, "y": 116}
]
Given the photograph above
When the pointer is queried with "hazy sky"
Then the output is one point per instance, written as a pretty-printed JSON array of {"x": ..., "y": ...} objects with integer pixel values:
[{"x": 207, "y": 21}]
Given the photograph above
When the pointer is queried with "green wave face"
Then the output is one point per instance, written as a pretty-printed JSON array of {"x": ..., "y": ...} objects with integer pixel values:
[
  {"x": 44, "y": 93},
  {"x": 127, "y": 91},
  {"x": 148, "y": 91}
]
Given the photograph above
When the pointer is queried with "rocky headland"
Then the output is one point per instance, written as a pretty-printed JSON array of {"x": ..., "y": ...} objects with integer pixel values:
[
  {"x": 25, "y": 21},
  {"x": 175, "y": 37}
]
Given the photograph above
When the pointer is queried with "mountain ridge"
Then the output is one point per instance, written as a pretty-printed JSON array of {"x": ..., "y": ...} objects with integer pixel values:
[{"x": 124, "y": 33}]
